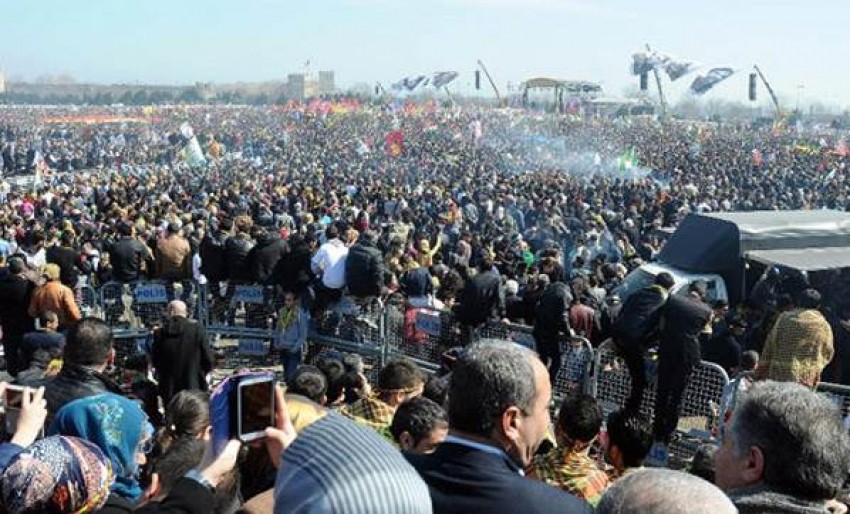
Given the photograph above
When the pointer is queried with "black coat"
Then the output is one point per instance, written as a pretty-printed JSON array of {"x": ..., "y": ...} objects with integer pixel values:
[
  {"x": 364, "y": 270},
  {"x": 66, "y": 259},
  {"x": 127, "y": 256},
  {"x": 264, "y": 256},
  {"x": 482, "y": 299},
  {"x": 236, "y": 250},
  {"x": 74, "y": 382},
  {"x": 465, "y": 480},
  {"x": 684, "y": 319},
  {"x": 213, "y": 264},
  {"x": 187, "y": 497},
  {"x": 15, "y": 294},
  {"x": 551, "y": 316},
  {"x": 292, "y": 272},
  {"x": 637, "y": 323},
  {"x": 181, "y": 356}
]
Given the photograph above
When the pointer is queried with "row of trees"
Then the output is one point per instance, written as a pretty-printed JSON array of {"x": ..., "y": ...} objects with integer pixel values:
[{"x": 145, "y": 97}]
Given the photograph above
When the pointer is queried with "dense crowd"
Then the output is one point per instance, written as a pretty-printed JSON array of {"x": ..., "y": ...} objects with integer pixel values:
[{"x": 494, "y": 215}]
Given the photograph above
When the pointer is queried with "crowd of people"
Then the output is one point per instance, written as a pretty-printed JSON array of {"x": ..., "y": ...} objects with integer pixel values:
[{"x": 477, "y": 211}]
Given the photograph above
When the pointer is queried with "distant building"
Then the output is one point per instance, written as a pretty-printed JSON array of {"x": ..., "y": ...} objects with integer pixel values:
[
  {"x": 326, "y": 83},
  {"x": 301, "y": 86}
]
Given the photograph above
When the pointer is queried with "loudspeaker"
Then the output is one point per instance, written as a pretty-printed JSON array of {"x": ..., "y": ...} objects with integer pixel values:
[
  {"x": 477, "y": 79},
  {"x": 753, "y": 78},
  {"x": 644, "y": 81}
]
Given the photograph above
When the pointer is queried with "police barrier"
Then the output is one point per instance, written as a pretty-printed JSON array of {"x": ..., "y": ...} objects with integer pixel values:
[{"x": 840, "y": 394}]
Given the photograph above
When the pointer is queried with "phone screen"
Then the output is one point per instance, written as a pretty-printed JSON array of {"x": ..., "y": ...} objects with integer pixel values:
[
  {"x": 14, "y": 398},
  {"x": 256, "y": 405}
]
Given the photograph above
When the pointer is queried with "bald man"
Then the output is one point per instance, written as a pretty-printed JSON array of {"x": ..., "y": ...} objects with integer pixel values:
[{"x": 181, "y": 355}]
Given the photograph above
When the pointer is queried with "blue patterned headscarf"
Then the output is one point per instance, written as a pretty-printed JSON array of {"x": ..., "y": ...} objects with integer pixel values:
[
  {"x": 117, "y": 426},
  {"x": 57, "y": 475}
]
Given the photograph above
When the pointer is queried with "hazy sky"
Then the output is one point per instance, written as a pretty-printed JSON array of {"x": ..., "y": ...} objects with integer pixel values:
[{"x": 182, "y": 41}]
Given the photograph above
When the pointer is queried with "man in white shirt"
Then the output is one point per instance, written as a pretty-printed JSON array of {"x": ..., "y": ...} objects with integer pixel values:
[{"x": 329, "y": 264}]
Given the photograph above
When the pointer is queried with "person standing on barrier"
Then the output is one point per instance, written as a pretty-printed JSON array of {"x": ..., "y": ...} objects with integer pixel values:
[
  {"x": 636, "y": 328},
  {"x": 364, "y": 268},
  {"x": 180, "y": 353},
  {"x": 173, "y": 255},
  {"x": 329, "y": 265},
  {"x": 552, "y": 325},
  {"x": 128, "y": 255},
  {"x": 15, "y": 293},
  {"x": 293, "y": 326},
  {"x": 684, "y": 318}
]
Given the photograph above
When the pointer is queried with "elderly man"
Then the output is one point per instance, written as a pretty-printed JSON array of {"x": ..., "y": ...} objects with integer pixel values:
[
  {"x": 498, "y": 416},
  {"x": 663, "y": 491},
  {"x": 785, "y": 451},
  {"x": 181, "y": 355}
]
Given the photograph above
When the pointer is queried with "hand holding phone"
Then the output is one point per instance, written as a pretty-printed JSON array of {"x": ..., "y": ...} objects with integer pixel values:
[
  {"x": 281, "y": 436},
  {"x": 26, "y": 410}
]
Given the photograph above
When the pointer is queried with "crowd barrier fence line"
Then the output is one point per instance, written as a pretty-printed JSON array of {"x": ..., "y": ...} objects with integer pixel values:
[{"x": 245, "y": 313}]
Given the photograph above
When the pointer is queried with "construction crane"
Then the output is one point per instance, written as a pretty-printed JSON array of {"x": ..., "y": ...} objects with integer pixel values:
[{"x": 780, "y": 114}]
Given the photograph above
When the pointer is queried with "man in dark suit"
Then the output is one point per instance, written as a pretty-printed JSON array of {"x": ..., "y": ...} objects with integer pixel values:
[
  {"x": 180, "y": 353},
  {"x": 498, "y": 416},
  {"x": 684, "y": 318}
]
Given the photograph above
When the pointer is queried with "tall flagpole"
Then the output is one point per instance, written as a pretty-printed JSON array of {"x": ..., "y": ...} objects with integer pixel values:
[{"x": 773, "y": 98}]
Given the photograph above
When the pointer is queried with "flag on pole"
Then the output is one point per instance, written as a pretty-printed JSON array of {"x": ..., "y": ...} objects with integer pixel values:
[
  {"x": 678, "y": 68},
  {"x": 394, "y": 143},
  {"x": 706, "y": 81},
  {"x": 443, "y": 78},
  {"x": 644, "y": 62}
]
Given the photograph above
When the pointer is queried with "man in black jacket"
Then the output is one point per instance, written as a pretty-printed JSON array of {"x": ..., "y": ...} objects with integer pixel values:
[
  {"x": 684, "y": 318},
  {"x": 65, "y": 256},
  {"x": 264, "y": 256},
  {"x": 128, "y": 255},
  {"x": 15, "y": 292},
  {"x": 499, "y": 415},
  {"x": 364, "y": 267},
  {"x": 88, "y": 352},
  {"x": 482, "y": 299},
  {"x": 180, "y": 353},
  {"x": 552, "y": 324},
  {"x": 636, "y": 328},
  {"x": 236, "y": 248}
]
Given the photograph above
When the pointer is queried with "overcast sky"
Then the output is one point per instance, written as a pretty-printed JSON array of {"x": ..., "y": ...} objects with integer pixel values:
[{"x": 796, "y": 43}]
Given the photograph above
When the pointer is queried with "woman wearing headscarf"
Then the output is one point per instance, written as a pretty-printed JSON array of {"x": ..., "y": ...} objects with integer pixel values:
[
  {"x": 57, "y": 475},
  {"x": 120, "y": 428}
]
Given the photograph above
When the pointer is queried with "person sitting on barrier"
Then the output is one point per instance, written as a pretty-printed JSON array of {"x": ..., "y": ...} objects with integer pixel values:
[
  {"x": 173, "y": 255},
  {"x": 481, "y": 300},
  {"x": 626, "y": 442},
  {"x": 329, "y": 265},
  {"x": 128, "y": 254},
  {"x": 786, "y": 450},
  {"x": 310, "y": 382},
  {"x": 292, "y": 329},
  {"x": 552, "y": 325},
  {"x": 664, "y": 491},
  {"x": 398, "y": 381},
  {"x": 88, "y": 352},
  {"x": 419, "y": 426},
  {"x": 364, "y": 268},
  {"x": 636, "y": 328},
  {"x": 180, "y": 354},
  {"x": 569, "y": 466},
  {"x": 724, "y": 348},
  {"x": 55, "y": 296}
]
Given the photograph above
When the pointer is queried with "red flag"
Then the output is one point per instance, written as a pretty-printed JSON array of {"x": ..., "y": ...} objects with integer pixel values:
[{"x": 395, "y": 143}]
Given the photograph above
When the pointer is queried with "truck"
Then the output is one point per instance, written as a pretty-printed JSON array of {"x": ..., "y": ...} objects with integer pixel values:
[{"x": 731, "y": 251}]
